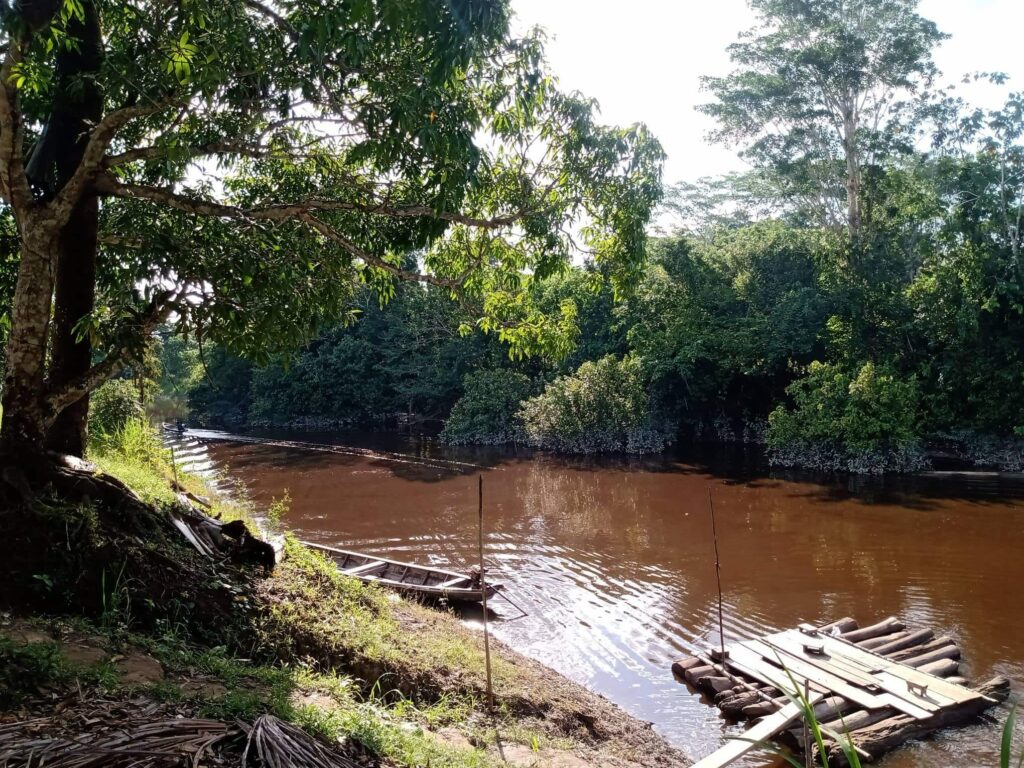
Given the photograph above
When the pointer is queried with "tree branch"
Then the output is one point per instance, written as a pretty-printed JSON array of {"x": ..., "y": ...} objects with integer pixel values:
[
  {"x": 92, "y": 159},
  {"x": 335, "y": 236},
  {"x": 111, "y": 187},
  {"x": 13, "y": 180},
  {"x": 213, "y": 148},
  {"x": 115, "y": 362}
]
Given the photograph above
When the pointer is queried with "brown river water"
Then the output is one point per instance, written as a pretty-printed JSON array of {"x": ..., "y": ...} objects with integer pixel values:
[{"x": 613, "y": 559}]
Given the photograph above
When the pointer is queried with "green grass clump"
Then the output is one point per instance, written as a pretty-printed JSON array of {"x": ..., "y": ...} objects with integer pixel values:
[
  {"x": 27, "y": 668},
  {"x": 1006, "y": 748}
]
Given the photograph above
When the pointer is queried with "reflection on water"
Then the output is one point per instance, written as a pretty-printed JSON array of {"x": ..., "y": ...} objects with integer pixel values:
[{"x": 613, "y": 560}]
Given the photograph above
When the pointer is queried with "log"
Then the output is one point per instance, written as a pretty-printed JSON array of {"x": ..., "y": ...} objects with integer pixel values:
[
  {"x": 845, "y": 624},
  {"x": 941, "y": 668},
  {"x": 824, "y": 710},
  {"x": 727, "y": 693},
  {"x": 882, "y": 737},
  {"x": 714, "y": 684},
  {"x": 920, "y": 637},
  {"x": 680, "y": 666},
  {"x": 885, "y": 627},
  {"x": 934, "y": 645},
  {"x": 695, "y": 673},
  {"x": 862, "y": 718},
  {"x": 733, "y": 706},
  {"x": 762, "y": 709},
  {"x": 873, "y": 642},
  {"x": 946, "y": 652}
]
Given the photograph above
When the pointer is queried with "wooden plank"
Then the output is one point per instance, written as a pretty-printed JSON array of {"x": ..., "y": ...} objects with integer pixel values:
[
  {"x": 860, "y": 673},
  {"x": 749, "y": 663},
  {"x": 754, "y": 737},
  {"x": 901, "y": 686},
  {"x": 793, "y": 644},
  {"x": 843, "y": 687},
  {"x": 958, "y": 693},
  {"x": 362, "y": 570},
  {"x": 803, "y": 671}
]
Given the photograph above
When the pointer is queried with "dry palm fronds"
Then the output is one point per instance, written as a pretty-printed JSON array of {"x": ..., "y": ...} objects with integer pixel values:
[
  {"x": 280, "y": 745},
  {"x": 151, "y": 744}
]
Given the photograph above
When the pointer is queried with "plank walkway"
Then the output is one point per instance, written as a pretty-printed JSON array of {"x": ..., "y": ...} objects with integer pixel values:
[{"x": 875, "y": 687}]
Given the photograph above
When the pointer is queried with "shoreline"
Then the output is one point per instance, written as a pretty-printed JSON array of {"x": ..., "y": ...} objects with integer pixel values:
[{"x": 963, "y": 464}]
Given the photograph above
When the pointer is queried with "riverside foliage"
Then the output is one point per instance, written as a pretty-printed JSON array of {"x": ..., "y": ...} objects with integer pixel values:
[{"x": 860, "y": 291}]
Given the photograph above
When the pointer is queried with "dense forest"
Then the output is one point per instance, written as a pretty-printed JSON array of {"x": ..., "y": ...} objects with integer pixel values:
[{"x": 852, "y": 301}]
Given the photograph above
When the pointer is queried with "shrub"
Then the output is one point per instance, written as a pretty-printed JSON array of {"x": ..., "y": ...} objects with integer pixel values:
[
  {"x": 865, "y": 422},
  {"x": 603, "y": 407},
  {"x": 112, "y": 406},
  {"x": 487, "y": 411}
]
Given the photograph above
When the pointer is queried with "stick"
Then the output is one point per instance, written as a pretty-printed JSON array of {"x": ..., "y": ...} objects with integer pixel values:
[
  {"x": 174, "y": 469},
  {"x": 515, "y": 605},
  {"x": 483, "y": 589},
  {"x": 718, "y": 575},
  {"x": 808, "y": 752}
]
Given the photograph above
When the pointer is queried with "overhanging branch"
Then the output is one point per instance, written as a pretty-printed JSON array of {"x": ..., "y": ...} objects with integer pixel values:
[
  {"x": 92, "y": 159},
  {"x": 13, "y": 181},
  {"x": 109, "y": 186},
  {"x": 161, "y": 308},
  {"x": 334, "y": 236}
]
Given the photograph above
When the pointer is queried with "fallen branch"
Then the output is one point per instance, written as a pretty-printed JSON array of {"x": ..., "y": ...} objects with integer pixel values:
[{"x": 280, "y": 745}]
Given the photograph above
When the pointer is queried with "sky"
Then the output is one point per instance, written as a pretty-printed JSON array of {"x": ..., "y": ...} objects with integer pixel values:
[{"x": 642, "y": 60}]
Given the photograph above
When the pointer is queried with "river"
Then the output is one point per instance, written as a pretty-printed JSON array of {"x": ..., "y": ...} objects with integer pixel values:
[{"x": 613, "y": 559}]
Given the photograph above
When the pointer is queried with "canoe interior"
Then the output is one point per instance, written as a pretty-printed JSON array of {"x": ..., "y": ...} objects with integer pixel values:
[{"x": 405, "y": 576}]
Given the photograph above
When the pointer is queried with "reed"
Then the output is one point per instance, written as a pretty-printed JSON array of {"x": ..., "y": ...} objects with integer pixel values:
[{"x": 1006, "y": 748}]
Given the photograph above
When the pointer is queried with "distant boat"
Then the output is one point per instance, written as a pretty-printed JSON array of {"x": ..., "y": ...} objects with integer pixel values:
[{"x": 421, "y": 580}]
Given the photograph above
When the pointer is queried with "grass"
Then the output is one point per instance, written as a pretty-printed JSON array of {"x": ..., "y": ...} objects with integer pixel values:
[
  {"x": 1009, "y": 757},
  {"x": 135, "y": 455},
  {"x": 326, "y": 652},
  {"x": 328, "y": 705},
  {"x": 1006, "y": 748}
]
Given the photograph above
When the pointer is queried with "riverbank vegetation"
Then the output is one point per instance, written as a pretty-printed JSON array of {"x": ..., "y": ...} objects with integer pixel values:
[
  {"x": 130, "y": 624},
  {"x": 853, "y": 301}
]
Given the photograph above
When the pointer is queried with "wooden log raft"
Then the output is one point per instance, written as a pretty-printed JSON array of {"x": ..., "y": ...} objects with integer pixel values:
[
  {"x": 885, "y": 735},
  {"x": 873, "y": 731}
]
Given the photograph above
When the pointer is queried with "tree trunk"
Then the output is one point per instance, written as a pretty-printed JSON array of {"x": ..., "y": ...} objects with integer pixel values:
[
  {"x": 74, "y": 298},
  {"x": 25, "y": 415},
  {"x": 852, "y": 171},
  {"x": 78, "y": 104}
]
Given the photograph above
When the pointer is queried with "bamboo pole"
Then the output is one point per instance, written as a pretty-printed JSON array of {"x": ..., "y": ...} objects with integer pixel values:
[
  {"x": 718, "y": 577},
  {"x": 483, "y": 590}
]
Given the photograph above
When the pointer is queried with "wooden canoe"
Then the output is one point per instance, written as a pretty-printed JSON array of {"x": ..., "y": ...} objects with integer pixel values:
[{"x": 410, "y": 578}]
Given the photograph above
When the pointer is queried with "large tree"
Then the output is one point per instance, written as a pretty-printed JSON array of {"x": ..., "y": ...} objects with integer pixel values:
[
  {"x": 238, "y": 168},
  {"x": 821, "y": 89}
]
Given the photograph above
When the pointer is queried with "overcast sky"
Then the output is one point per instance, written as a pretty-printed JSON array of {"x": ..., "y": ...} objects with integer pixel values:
[{"x": 642, "y": 60}]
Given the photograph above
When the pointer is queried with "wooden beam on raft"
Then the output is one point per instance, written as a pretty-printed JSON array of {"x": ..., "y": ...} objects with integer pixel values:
[
  {"x": 756, "y": 736},
  {"x": 886, "y": 735},
  {"x": 833, "y": 681},
  {"x": 881, "y": 685}
]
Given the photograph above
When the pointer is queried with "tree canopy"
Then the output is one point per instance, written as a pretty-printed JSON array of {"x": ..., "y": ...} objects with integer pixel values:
[
  {"x": 820, "y": 91},
  {"x": 256, "y": 161}
]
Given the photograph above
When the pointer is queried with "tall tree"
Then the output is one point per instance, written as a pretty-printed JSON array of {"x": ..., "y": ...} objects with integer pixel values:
[
  {"x": 254, "y": 162},
  {"x": 820, "y": 90}
]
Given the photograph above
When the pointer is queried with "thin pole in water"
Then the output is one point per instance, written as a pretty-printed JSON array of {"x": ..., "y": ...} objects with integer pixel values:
[
  {"x": 718, "y": 575},
  {"x": 483, "y": 590},
  {"x": 174, "y": 469}
]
